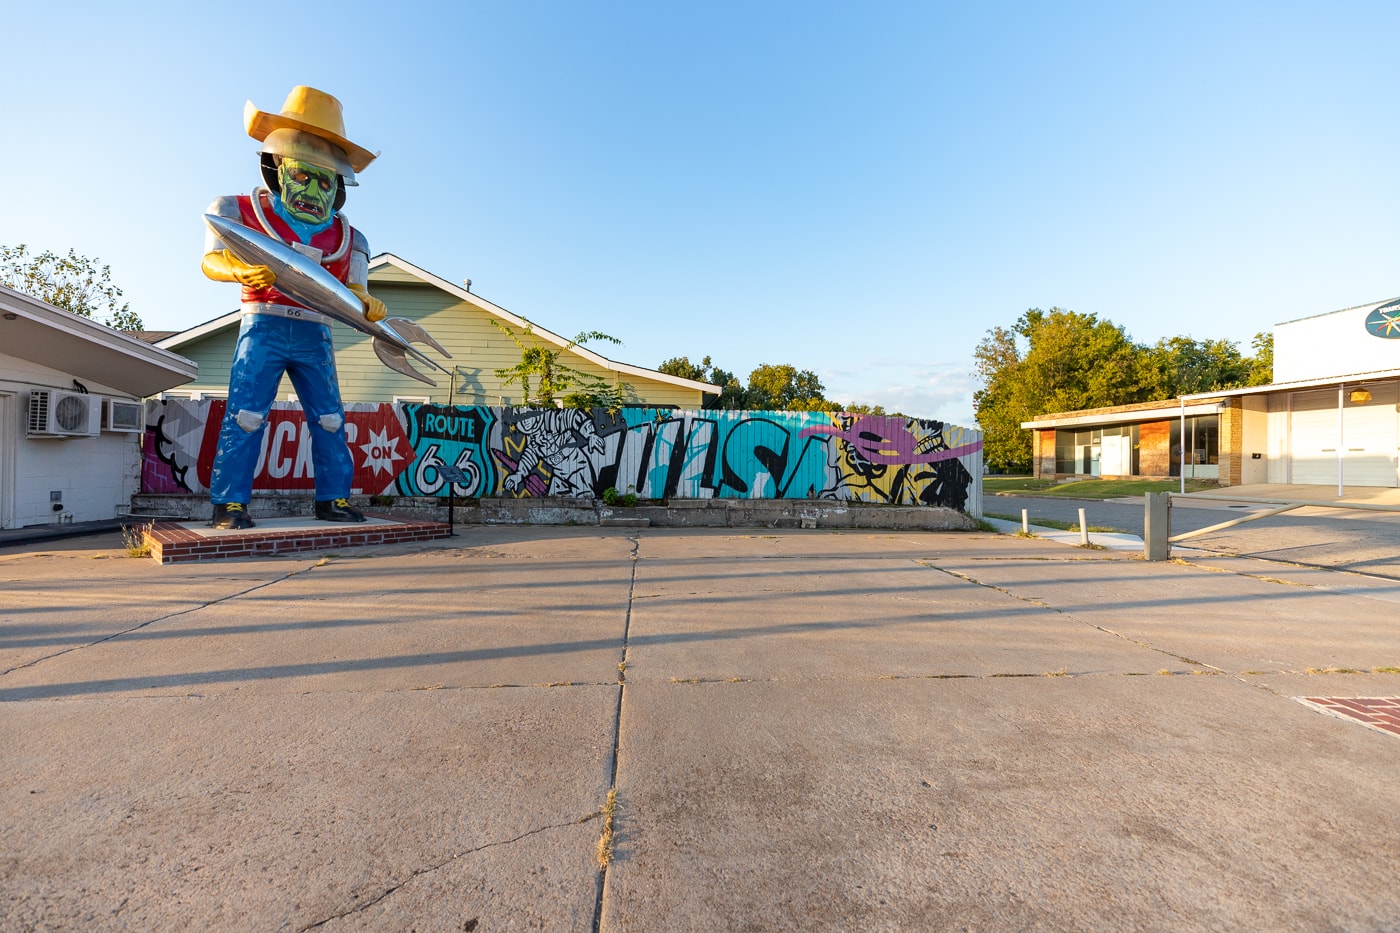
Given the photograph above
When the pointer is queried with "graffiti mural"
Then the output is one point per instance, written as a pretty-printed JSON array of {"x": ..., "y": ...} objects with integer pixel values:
[{"x": 654, "y": 453}]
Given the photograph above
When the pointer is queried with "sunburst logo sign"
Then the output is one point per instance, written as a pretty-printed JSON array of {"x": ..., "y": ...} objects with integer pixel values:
[{"x": 1385, "y": 321}]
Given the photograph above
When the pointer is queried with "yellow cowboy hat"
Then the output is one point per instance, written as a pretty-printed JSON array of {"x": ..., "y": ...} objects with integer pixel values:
[{"x": 309, "y": 111}]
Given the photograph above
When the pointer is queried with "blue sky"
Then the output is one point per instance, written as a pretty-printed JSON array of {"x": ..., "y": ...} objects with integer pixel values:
[{"x": 858, "y": 189}]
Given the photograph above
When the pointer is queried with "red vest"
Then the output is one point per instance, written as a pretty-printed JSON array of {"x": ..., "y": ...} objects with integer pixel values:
[{"x": 328, "y": 241}]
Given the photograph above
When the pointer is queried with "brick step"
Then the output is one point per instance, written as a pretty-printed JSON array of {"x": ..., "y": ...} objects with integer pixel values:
[{"x": 172, "y": 542}]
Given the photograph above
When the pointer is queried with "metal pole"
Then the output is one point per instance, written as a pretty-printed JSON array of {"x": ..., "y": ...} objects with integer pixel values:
[
  {"x": 1025, "y": 522},
  {"x": 1181, "y": 465},
  {"x": 1248, "y": 518},
  {"x": 451, "y": 486},
  {"x": 1083, "y": 529}
]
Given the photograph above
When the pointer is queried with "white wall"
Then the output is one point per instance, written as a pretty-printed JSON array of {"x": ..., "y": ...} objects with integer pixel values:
[
  {"x": 1335, "y": 344},
  {"x": 1254, "y": 439},
  {"x": 95, "y": 476},
  {"x": 1279, "y": 438}
]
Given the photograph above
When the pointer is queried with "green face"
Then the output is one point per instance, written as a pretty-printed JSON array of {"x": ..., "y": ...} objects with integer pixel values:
[{"x": 308, "y": 191}]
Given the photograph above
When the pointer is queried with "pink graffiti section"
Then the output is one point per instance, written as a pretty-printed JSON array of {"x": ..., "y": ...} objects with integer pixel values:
[{"x": 888, "y": 440}]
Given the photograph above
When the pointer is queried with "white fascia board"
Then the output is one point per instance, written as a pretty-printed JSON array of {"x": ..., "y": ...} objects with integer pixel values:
[
  {"x": 1168, "y": 410},
  {"x": 389, "y": 259},
  {"x": 67, "y": 324},
  {"x": 1347, "y": 379},
  {"x": 1368, "y": 306}
]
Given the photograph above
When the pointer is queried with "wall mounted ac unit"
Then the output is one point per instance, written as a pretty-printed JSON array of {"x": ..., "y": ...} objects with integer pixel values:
[
  {"x": 64, "y": 414},
  {"x": 123, "y": 415}
]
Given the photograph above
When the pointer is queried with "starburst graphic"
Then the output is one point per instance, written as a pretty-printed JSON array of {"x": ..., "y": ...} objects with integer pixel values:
[
  {"x": 381, "y": 452},
  {"x": 1384, "y": 322}
]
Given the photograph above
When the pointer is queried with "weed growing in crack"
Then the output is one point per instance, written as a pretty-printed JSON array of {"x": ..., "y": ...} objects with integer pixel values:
[{"x": 605, "y": 841}]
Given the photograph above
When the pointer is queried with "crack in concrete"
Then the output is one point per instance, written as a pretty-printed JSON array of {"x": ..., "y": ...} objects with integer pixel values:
[
  {"x": 167, "y": 616},
  {"x": 605, "y": 864},
  {"x": 420, "y": 872}
]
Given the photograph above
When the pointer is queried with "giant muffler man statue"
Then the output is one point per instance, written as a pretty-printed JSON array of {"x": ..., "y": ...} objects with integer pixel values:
[{"x": 307, "y": 163}]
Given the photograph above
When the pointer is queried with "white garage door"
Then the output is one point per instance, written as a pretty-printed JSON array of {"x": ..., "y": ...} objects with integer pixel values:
[{"x": 1370, "y": 434}]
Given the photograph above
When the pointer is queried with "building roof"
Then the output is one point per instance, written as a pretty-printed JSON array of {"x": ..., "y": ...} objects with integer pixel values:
[
  {"x": 385, "y": 262},
  {"x": 1120, "y": 414},
  {"x": 40, "y": 333},
  {"x": 1368, "y": 306},
  {"x": 1196, "y": 403},
  {"x": 1341, "y": 380},
  {"x": 151, "y": 336}
]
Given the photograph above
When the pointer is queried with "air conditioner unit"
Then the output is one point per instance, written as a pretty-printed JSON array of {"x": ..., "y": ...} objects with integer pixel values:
[
  {"x": 123, "y": 415},
  {"x": 64, "y": 414}
]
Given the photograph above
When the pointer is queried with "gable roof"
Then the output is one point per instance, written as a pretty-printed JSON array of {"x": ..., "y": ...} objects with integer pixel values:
[
  {"x": 388, "y": 261},
  {"x": 40, "y": 333}
]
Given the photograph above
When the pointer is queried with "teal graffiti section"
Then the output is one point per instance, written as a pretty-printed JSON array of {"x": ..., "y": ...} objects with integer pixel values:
[
  {"x": 664, "y": 454},
  {"x": 456, "y": 435}
]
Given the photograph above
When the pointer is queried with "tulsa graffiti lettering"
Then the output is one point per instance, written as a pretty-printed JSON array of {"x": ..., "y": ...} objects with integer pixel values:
[
  {"x": 655, "y": 453},
  {"x": 702, "y": 455}
]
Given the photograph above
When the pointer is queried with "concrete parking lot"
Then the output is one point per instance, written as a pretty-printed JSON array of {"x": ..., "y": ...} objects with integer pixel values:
[{"x": 798, "y": 730}]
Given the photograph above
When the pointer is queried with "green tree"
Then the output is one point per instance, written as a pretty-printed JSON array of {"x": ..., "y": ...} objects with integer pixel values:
[
  {"x": 541, "y": 367},
  {"x": 1051, "y": 361},
  {"x": 1184, "y": 366},
  {"x": 74, "y": 283},
  {"x": 1261, "y": 365},
  {"x": 1077, "y": 361},
  {"x": 774, "y": 388},
  {"x": 1001, "y": 403},
  {"x": 682, "y": 367},
  {"x": 732, "y": 395},
  {"x": 783, "y": 387}
]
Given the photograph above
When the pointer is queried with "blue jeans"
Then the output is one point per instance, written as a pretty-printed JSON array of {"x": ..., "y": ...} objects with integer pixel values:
[{"x": 267, "y": 347}]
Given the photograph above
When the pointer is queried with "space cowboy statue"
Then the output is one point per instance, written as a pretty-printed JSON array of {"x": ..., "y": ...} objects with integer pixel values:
[{"x": 307, "y": 163}]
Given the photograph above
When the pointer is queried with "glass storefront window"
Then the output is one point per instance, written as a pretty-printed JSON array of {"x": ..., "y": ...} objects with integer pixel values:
[{"x": 1202, "y": 447}]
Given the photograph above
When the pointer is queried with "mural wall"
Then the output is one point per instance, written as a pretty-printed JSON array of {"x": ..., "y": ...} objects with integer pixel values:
[{"x": 654, "y": 453}]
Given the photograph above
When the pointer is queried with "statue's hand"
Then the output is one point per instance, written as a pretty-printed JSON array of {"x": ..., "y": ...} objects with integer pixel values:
[
  {"x": 375, "y": 310},
  {"x": 253, "y": 276},
  {"x": 222, "y": 266}
]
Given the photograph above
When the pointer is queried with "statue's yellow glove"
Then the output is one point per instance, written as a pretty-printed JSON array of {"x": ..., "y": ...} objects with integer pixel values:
[
  {"x": 375, "y": 309},
  {"x": 223, "y": 266}
]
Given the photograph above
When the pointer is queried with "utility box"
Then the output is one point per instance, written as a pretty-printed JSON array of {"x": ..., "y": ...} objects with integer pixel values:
[{"x": 1157, "y": 526}]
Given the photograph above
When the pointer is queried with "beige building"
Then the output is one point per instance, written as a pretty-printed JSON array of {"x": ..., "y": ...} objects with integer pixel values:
[
  {"x": 461, "y": 321},
  {"x": 1332, "y": 417}
]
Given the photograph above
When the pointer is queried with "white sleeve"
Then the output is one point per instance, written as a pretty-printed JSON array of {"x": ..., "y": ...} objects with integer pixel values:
[
  {"x": 359, "y": 260},
  {"x": 226, "y": 206}
]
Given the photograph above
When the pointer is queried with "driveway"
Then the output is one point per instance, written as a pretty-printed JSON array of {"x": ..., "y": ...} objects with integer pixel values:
[{"x": 585, "y": 729}]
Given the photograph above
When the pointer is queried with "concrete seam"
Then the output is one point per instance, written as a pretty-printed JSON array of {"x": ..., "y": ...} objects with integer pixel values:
[{"x": 617, "y": 720}]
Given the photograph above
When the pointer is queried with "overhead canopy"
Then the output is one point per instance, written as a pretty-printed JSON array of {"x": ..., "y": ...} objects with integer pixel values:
[{"x": 40, "y": 333}]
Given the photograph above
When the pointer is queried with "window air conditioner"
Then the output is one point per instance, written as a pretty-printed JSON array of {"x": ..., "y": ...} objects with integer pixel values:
[
  {"x": 123, "y": 415},
  {"x": 64, "y": 414}
]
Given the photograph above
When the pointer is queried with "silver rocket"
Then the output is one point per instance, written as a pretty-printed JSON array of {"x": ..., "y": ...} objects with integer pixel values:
[{"x": 309, "y": 283}]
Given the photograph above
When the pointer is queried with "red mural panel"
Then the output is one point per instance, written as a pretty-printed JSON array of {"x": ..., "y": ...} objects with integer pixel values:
[{"x": 377, "y": 442}]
